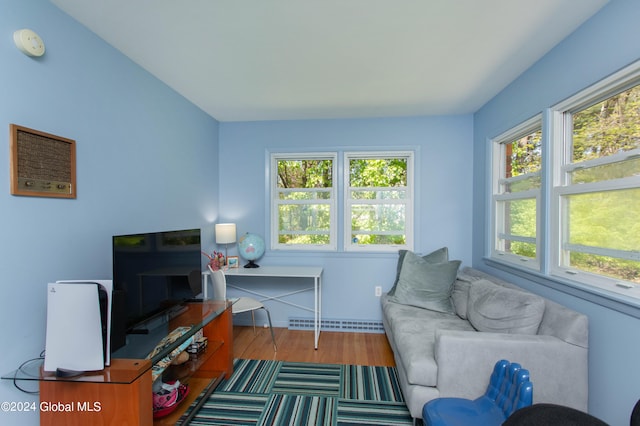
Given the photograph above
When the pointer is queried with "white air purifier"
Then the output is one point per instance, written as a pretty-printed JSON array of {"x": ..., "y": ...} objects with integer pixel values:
[{"x": 78, "y": 326}]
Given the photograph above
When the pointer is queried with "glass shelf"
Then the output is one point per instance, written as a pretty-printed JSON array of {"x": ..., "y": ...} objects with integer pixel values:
[
  {"x": 130, "y": 362},
  {"x": 121, "y": 371},
  {"x": 193, "y": 316}
]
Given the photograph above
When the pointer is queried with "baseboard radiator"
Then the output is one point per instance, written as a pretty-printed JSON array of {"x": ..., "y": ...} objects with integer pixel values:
[{"x": 359, "y": 326}]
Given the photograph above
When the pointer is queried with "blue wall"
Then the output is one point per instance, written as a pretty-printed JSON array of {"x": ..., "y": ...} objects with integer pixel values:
[
  {"x": 443, "y": 197},
  {"x": 146, "y": 161},
  {"x": 604, "y": 44},
  {"x": 149, "y": 160}
]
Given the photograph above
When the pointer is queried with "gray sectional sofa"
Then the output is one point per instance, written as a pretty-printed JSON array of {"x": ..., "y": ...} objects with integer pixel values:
[{"x": 447, "y": 329}]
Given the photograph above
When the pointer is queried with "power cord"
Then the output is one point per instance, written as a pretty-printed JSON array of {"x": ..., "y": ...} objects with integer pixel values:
[{"x": 25, "y": 373}]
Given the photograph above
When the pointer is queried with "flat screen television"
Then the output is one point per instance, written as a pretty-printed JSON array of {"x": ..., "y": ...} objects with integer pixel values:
[{"x": 154, "y": 273}]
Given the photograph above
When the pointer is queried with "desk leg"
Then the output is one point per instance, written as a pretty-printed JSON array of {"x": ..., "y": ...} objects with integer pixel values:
[{"x": 318, "y": 309}]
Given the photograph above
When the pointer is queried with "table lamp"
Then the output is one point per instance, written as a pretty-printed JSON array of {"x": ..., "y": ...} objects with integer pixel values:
[{"x": 225, "y": 234}]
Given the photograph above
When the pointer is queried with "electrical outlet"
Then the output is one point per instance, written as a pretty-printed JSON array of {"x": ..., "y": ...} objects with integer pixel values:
[{"x": 378, "y": 291}]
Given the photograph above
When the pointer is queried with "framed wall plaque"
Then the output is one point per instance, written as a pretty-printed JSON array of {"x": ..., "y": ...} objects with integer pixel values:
[{"x": 42, "y": 165}]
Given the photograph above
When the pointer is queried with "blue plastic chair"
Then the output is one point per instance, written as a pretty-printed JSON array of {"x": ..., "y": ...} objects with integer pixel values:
[{"x": 509, "y": 389}]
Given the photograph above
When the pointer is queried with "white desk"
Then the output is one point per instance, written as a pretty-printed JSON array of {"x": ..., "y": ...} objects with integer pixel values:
[{"x": 311, "y": 272}]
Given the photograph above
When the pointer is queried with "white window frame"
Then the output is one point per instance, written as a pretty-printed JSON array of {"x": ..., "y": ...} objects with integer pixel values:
[
  {"x": 276, "y": 201},
  {"x": 561, "y": 126},
  {"x": 498, "y": 180},
  {"x": 407, "y": 202}
]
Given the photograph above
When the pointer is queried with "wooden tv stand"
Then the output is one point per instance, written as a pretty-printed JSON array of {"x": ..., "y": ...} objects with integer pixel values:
[{"x": 122, "y": 393}]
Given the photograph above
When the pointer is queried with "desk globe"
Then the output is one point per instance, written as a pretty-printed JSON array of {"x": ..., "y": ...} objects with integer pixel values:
[{"x": 251, "y": 248}]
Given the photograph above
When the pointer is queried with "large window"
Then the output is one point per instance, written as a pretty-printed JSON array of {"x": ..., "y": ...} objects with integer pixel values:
[
  {"x": 517, "y": 160},
  {"x": 376, "y": 209},
  {"x": 597, "y": 184},
  {"x": 303, "y": 207},
  {"x": 378, "y": 201},
  {"x": 568, "y": 200}
]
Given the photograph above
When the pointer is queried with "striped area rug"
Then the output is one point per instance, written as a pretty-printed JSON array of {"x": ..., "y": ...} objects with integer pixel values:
[{"x": 287, "y": 393}]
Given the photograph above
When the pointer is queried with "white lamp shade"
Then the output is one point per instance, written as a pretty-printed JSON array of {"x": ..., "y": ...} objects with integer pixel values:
[{"x": 225, "y": 233}]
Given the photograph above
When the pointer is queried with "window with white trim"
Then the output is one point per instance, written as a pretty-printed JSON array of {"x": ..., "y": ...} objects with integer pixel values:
[
  {"x": 596, "y": 183},
  {"x": 517, "y": 161},
  {"x": 378, "y": 201},
  {"x": 303, "y": 201}
]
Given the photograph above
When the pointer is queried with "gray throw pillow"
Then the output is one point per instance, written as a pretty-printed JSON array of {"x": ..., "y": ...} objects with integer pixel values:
[
  {"x": 437, "y": 256},
  {"x": 426, "y": 285},
  {"x": 460, "y": 296},
  {"x": 460, "y": 293},
  {"x": 498, "y": 309}
]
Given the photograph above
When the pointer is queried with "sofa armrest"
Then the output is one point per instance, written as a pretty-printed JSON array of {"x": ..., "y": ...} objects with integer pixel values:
[{"x": 465, "y": 360}]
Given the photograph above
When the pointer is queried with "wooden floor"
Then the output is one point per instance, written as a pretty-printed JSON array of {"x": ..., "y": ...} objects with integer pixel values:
[{"x": 298, "y": 346}]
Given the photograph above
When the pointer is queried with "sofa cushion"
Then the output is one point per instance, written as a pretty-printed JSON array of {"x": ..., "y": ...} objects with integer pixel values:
[
  {"x": 437, "y": 256},
  {"x": 412, "y": 331},
  {"x": 460, "y": 292},
  {"x": 460, "y": 296},
  {"x": 426, "y": 285},
  {"x": 494, "y": 308}
]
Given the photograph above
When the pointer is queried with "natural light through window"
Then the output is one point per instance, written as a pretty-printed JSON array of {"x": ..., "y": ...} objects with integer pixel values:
[
  {"x": 378, "y": 201},
  {"x": 597, "y": 187},
  {"x": 304, "y": 201},
  {"x": 566, "y": 202},
  {"x": 516, "y": 193},
  {"x": 375, "y": 205}
]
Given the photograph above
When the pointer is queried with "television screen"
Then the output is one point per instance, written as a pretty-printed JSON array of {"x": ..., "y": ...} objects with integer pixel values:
[{"x": 155, "y": 272}]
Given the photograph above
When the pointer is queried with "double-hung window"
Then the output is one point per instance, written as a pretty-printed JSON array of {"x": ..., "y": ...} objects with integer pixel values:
[
  {"x": 376, "y": 205},
  {"x": 378, "y": 201},
  {"x": 596, "y": 187},
  {"x": 517, "y": 160},
  {"x": 303, "y": 202}
]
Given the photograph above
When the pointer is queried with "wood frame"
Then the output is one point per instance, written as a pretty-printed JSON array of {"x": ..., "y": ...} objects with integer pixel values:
[
  {"x": 42, "y": 164},
  {"x": 235, "y": 259}
]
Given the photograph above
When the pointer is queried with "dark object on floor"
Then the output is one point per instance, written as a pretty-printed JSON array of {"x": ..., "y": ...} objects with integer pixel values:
[
  {"x": 509, "y": 389},
  {"x": 551, "y": 415},
  {"x": 635, "y": 415}
]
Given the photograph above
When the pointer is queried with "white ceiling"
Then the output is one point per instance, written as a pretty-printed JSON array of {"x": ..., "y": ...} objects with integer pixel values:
[{"x": 242, "y": 60}]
